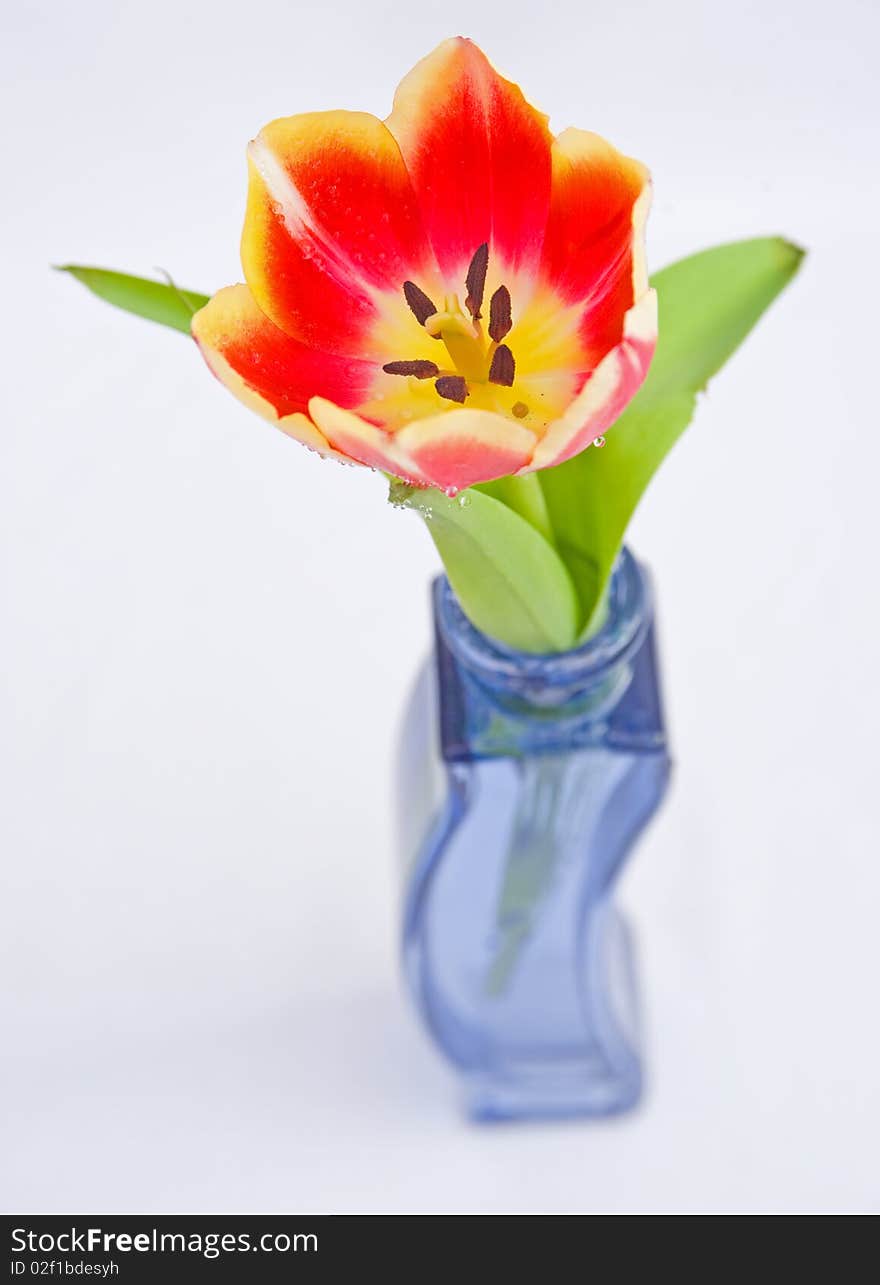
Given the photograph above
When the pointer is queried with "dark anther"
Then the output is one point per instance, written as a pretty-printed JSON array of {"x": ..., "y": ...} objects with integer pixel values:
[
  {"x": 419, "y": 303},
  {"x": 503, "y": 367},
  {"x": 520, "y": 409},
  {"x": 499, "y": 314},
  {"x": 453, "y": 387},
  {"x": 476, "y": 281},
  {"x": 421, "y": 369}
]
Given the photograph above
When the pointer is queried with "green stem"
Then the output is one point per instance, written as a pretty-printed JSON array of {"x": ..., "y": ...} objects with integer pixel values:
[{"x": 532, "y": 863}]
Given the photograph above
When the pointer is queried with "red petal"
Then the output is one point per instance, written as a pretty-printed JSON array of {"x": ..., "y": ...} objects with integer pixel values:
[
  {"x": 462, "y": 447},
  {"x": 363, "y": 441},
  {"x": 594, "y": 245},
  {"x": 332, "y": 223},
  {"x": 267, "y": 370},
  {"x": 479, "y": 157},
  {"x": 451, "y": 450}
]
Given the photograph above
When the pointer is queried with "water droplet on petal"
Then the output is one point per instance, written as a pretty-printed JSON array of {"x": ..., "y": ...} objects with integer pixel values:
[{"x": 599, "y": 442}]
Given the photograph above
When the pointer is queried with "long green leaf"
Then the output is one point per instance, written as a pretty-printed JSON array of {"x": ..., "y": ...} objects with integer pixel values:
[
  {"x": 509, "y": 580},
  {"x": 525, "y": 496},
  {"x": 157, "y": 301},
  {"x": 708, "y": 304}
]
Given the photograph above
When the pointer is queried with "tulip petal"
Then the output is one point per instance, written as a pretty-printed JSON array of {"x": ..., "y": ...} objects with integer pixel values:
[
  {"x": 362, "y": 441},
  {"x": 332, "y": 225},
  {"x": 461, "y": 447},
  {"x": 270, "y": 372},
  {"x": 594, "y": 245},
  {"x": 606, "y": 393},
  {"x": 451, "y": 450},
  {"x": 478, "y": 155},
  {"x": 591, "y": 223}
]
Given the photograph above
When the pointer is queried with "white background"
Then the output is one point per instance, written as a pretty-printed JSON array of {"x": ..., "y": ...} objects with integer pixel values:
[{"x": 208, "y": 635}]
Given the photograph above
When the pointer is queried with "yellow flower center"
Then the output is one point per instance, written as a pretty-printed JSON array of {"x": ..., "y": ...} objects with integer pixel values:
[
  {"x": 462, "y": 354},
  {"x": 477, "y": 359}
]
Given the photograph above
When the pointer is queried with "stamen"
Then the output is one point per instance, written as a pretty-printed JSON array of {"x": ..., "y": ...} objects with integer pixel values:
[
  {"x": 503, "y": 367},
  {"x": 420, "y": 369},
  {"x": 420, "y": 305},
  {"x": 520, "y": 410},
  {"x": 499, "y": 314},
  {"x": 453, "y": 387},
  {"x": 476, "y": 281}
]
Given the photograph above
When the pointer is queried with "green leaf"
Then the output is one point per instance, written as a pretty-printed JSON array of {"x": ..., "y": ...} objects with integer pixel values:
[
  {"x": 509, "y": 580},
  {"x": 708, "y": 304},
  {"x": 524, "y": 495},
  {"x": 155, "y": 300}
]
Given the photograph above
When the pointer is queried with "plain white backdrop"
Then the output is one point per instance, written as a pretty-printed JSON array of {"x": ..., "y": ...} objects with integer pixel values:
[{"x": 208, "y": 635}]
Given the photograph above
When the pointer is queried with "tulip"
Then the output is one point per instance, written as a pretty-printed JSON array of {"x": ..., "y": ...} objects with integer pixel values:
[{"x": 452, "y": 295}]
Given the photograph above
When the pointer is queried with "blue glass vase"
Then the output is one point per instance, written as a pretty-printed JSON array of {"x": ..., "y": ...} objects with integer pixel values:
[{"x": 524, "y": 783}]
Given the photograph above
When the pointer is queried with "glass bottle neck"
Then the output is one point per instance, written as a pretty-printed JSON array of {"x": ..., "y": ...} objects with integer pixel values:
[{"x": 497, "y": 701}]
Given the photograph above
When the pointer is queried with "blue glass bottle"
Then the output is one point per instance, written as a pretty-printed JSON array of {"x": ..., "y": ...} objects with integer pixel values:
[{"x": 524, "y": 782}]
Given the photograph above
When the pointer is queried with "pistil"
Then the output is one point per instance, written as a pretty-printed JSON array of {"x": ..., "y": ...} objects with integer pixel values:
[
  {"x": 473, "y": 360},
  {"x": 462, "y": 338}
]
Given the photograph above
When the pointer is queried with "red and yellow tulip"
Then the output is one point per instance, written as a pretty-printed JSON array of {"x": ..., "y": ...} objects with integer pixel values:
[{"x": 451, "y": 295}]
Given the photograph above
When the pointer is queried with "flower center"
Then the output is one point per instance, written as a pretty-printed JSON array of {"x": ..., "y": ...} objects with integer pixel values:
[{"x": 476, "y": 358}]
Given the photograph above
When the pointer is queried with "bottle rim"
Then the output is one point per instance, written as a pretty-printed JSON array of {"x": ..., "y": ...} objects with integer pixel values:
[{"x": 499, "y": 667}]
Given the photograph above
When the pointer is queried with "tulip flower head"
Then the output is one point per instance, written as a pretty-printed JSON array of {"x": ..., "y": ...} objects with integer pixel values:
[
  {"x": 457, "y": 298},
  {"x": 452, "y": 295}
]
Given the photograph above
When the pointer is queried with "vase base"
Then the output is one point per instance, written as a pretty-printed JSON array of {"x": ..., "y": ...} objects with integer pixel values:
[{"x": 552, "y": 1093}]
